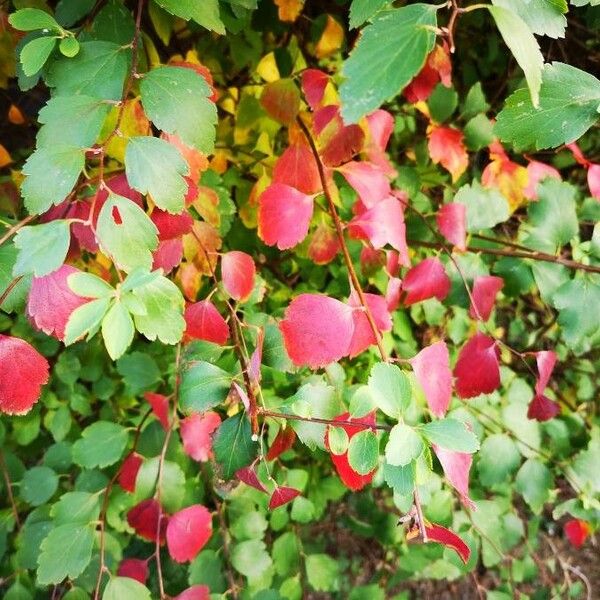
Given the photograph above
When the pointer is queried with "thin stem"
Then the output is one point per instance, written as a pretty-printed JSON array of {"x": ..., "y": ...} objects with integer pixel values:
[
  {"x": 8, "y": 484},
  {"x": 336, "y": 423},
  {"x": 9, "y": 289},
  {"x": 16, "y": 228}
]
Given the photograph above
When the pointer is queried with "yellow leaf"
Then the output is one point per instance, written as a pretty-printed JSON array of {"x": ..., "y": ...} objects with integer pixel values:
[
  {"x": 267, "y": 68},
  {"x": 15, "y": 116},
  {"x": 331, "y": 40},
  {"x": 289, "y": 10},
  {"x": 5, "y": 158},
  {"x": 134, "y": 122}
]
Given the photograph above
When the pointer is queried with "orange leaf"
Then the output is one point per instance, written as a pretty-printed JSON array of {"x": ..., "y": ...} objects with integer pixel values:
[{"x": 446, "y": 147}]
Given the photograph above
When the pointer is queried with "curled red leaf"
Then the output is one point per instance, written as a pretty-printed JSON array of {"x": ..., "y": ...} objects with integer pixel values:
[
  {"x": 129, "y": 471},
  {"x": 441, "y": 535},
  {"x": 283, "y": 441},
  {"x": 484, "y": 294},
  {"x": 248, "y": 476},
  {"x": 477, "y": 370},
  {"x": 160, "y": 407}
]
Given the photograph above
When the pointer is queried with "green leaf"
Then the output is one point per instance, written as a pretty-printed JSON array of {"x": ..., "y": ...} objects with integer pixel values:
[
  {"x": 338, "y": 440},
  {"x": 486, "y": 207},
  {"x": 117, "y": 330},
  {"x": 389, "y": 53},
  {"x": 98, "y": 71},
  {"x": 88, "y": 285},
  {"x": 363, "y": 10},
  {"x": 69, "y": 46},
  {"x": 479, "y": 132},
  {"x": 451, "y": 434},
  {"x": 74, "y": 120},
  {"x": 322, "y": 572},
  {"x": 475, "y": 102},
  {"x": 390, "y": 389},
  {"x": 205, "y": 13},
  {"x": 85, "y": 320},
  {"x": 400, "y": 479},
  {"x": 569, "y": 100},
  {"x": 139, "y": 371},
  {"x": 363, "y": 451},
  {"x": 534, "y": 482},
  {"x": 498, "y": 458},
  {"x": 119, "y": 588},
  {"x": 35, "y": 53},
  {"x": 163, "y": 304},
  {"x": 176, "y": 99},
  {"x": 126, "y": 233},
  {"x": 203, "y": 386},
  {"x": 42, "y": 248},
  {"x": 38, "y": 485},
  {"x": 250, "y": 558},
  {"x": 172, "y": 483},
  {"x": 51, "y": 173},
  {"x": 552, "y": 219},
  {"x": 66, "y": 552},
  {"x": 76, "y": 507},
  {"x": 524, "y": 47},
  {"x": 543, "y": 17},
  {"x": 233, "y": 446},
  {"x": 30, "y": 19},
  {"x": 404, "y": 446},
  {"x": 155, "y": 167},
  {"x": 100, "y": 445}
]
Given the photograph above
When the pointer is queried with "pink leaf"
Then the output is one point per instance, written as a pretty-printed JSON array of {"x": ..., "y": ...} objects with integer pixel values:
[
  {"x": 536, "y": 172},
  {"x": 297, "y": 168},
  {"x": 456, "y": 467},
  {"x": 441, "y": 535},
  {"x": 317, "y": 330},
  {"x": 383, "y": 224},
  {"x": 204, "y": 322},
  {"x": 168, "y": 255},
  {"x": 484, "y": 294},
  {"x": 426, "y": 280},
  {"x": 392, "y": 294},
  {"x": 160, "y": 407},
  {"x": 541, "y": 408},
  {"x": 129, "y": 471},
  {"x": 241, "y": 392},
  {"x": 144, "y": 518},
  {"x": 314, "y": 83},
  {"x": 51, "y": 301},
  {"x": 545, "y": 359},
  {"x": 283, "y": 441},
  {"x": 256, "y": 358},
  {"x": 23, "y": 372},
  {"x": 432, "y": 370},
  {"x": 363, "y": 335},
  {"x": 188, "y": 531},
  {"x": 282, "y": 495},
  {"x": 477, "y": 370},
  {"x": 134, "y": 568},
  {"x": 238, "y": 272},
  {"x": 284, "y": 216},
  {"x": 447, "y": 148},
  {"x": 593, "y": 179},
  {"x": 368, "y": 180},
  {"x": 196, "y": 434},
  {"x": 452, "y": 223},
  {"x": 577, "y": 531},
  {"x": 248, "y": 476},
  {"x": 380, "y": 125},
  {"x": 350, "y": 478},
  {"x": 196, "y": 592}
]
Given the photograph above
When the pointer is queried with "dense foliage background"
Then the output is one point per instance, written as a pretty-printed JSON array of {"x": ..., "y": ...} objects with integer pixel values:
[{"x": 299, "y": 299}]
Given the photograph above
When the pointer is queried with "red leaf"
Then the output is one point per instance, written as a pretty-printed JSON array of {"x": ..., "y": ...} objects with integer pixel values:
[
  {"x": 452, "y": 223},
  {"x": 323, "y": 245},
  {"x": 23, "y": 371},
  {"x": 188, "y": 531},
  {"x": 314, "y": 83},
  {"x": 577, "y": 531},
  {"x": 143, "y": 517},
  {"x": 432, "y": 370},
  {"x": 368, "y": 180},
  {"x": 204, "y": 322},
  {"x": 593, "y": 179},
  {"x": 283, "y": 441},
  {"x": 134, "y": 568},
  {"x": 196, "y": 434},
  {"x": 171, "y": 226},
  {"x": 281, "y": 100},
  {"x": 160, "y": 407},
  {"x": 456, "y": 467},
  {"x": 382, "y": 224},
  {"x": 426, "y": 280},
  {"x": 363, "y": 336},
  {"x": 317, "y": 330},
  {"x": 541, "y": 408},
  {"x": 484, "y": 296},
  {"x": 438, "y": 67},
  {"x": 196, "y": 160},
  {"x": 546, "y": 359},
  {"x": 477, "y": 370},
  {"x": 536, "y": 172},
  {"x": 129, "y": 470},
  {"x": 282, "y": 495},
  {"x": 447, "y": 148},
  {"x": 168, "y": 255},
  {"x": 237, "y": 273},
  {"x": 297, "y": 168},
  {"x": 284, "y": 216},
  {"x": 51, "y": 301},
  {"x": 380, "y": 125},
  {"x": 343, "y": 145},
  {"x": 441, "y": 535},
  {"x": 196, "y": 592},
  {"x": 248, "y": 476},
  {"x": 350, "y": 478}
]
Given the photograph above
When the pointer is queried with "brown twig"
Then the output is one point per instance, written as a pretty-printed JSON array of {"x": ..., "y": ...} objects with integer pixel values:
[
  {"x": 9, "y": 289},
  {"x": 16, "y": 228},
  {"x": 8, "y": 484}
]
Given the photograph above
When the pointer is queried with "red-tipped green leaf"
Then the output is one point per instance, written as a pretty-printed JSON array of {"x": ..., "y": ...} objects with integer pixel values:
[
  {"x": 196, "y": 434},
  {"x": 187, "y": 532},
  {"x": 432, "y": 370},
  {"x": 477, "y": 370},
  {"x": 23, "y": 372},
  {"x": 426, "y": 280},
  {"x": 484, "y": 293},
  {"x": 237, "y": 273},
  {"x": 204, "y": 322},
  {"x": 282, "y": 495},
  {"x": 452, "y": 223}
]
